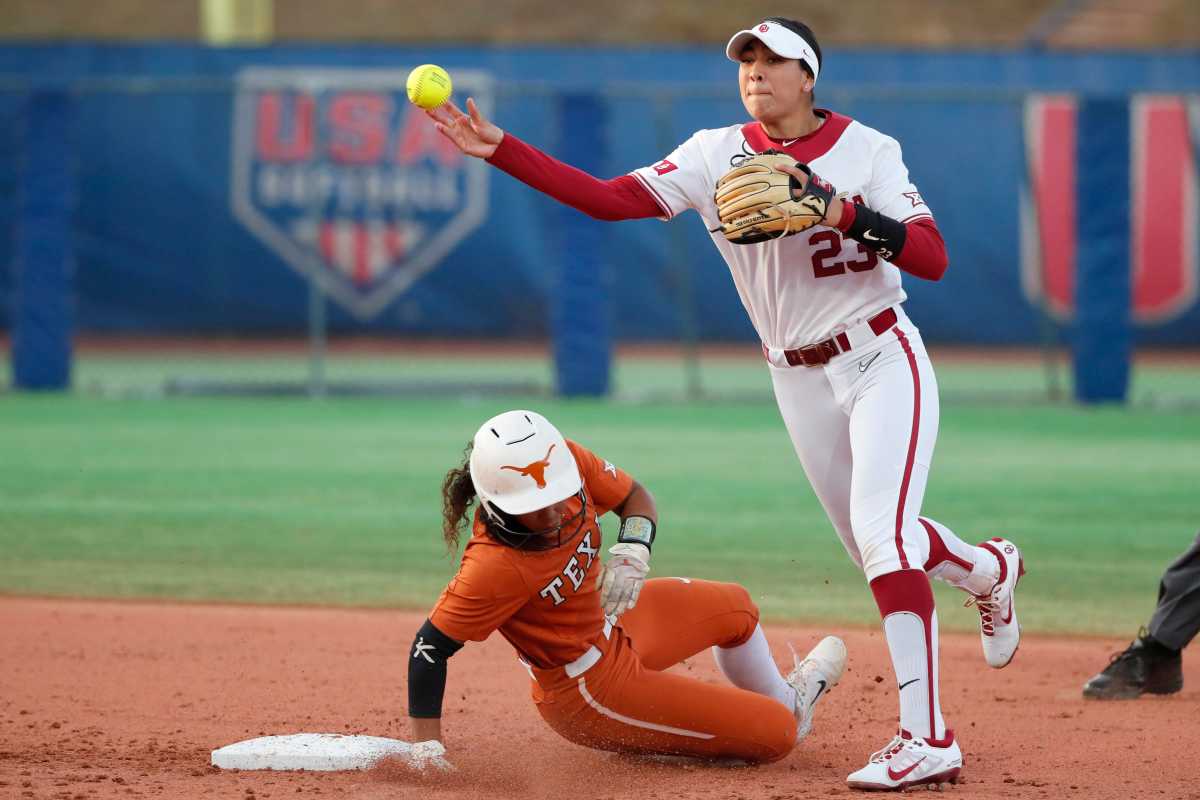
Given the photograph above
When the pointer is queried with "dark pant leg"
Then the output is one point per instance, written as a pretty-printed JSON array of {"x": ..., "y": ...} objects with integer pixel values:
[{"x": 1176, "y": 620}]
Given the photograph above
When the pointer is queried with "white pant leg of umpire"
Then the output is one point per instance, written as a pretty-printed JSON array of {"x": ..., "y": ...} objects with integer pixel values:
[
  {"x": 820, "y": 434},
  {"x": 895, "y": 398}
]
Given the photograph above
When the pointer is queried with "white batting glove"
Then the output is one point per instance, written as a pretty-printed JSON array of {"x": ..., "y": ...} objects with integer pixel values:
[{"x": 621, "y": 583}]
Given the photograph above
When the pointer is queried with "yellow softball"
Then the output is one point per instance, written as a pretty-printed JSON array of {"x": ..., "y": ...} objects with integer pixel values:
[{"x": 429, "y": 86}]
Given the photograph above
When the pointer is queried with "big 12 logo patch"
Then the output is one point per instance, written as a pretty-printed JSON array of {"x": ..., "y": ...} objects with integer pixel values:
[{"x": 349, "y": 183}]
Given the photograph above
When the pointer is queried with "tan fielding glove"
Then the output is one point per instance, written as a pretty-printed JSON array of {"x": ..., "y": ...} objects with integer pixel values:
[{"x": 756, "y": 202}]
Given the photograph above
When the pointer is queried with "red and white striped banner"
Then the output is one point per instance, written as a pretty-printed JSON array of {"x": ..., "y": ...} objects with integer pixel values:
[{"x": 1163, "y": 193}]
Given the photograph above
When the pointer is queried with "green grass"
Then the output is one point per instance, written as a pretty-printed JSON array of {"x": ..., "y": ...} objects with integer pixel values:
[{"x": 337, "y": 501}]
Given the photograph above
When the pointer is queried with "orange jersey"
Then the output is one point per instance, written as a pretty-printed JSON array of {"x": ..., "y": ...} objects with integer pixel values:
[{"x": 546, "y": 603}]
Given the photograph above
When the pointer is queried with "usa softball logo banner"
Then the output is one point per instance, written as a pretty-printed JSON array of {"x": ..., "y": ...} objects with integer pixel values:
[
  {"x": 349, "y": 183},
  {"x": 1164, "y": 259}
]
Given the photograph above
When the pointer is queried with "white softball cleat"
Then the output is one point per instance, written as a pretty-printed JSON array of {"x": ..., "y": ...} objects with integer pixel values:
[
  {"x": 813, "y": 677},
  {"x": 909, "y": 761},
  {"x": 998, "y": 628}
]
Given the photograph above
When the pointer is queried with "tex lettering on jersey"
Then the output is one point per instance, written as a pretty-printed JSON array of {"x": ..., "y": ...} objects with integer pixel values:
[{"x": 574, "y": 571}]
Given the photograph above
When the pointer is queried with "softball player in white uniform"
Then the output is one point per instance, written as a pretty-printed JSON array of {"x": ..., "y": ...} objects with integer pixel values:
[{"x": 852, "y": 379}]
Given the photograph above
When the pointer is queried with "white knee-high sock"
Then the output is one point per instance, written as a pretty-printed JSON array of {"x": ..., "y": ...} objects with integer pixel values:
[
  {"x": 970, "y": 568},
  {"x": 750, "y": 666},
  {"x": 905, "y": 602}
]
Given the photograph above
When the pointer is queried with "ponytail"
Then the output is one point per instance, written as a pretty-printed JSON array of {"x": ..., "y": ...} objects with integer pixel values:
[{"x": 458, "y": 493}]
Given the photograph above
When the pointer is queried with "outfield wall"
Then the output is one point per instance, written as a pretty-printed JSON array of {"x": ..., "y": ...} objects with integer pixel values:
[{"x": 207, "y": 182}]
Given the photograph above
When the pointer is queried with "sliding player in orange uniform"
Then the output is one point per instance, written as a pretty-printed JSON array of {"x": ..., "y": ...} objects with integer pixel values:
[{"x": 597, "y": 639}]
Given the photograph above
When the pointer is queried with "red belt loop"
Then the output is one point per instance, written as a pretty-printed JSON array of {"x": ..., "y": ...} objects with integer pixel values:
[
  {"x": 882, "y": 322},
  {"x": 814, "y": 355}
]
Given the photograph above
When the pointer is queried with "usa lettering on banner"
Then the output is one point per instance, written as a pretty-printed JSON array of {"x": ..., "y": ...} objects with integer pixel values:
[{"x": 348, "y": 183}]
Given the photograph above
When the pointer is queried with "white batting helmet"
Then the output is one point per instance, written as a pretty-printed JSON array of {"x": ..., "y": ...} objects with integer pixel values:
[{"x": 521, "y": 463}]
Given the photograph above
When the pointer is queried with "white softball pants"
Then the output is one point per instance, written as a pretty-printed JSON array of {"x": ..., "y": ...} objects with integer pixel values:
[{"x": 864, "y": 426}]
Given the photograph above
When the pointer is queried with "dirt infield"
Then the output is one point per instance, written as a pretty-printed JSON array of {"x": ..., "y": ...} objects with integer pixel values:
[{"x": 117, "y": 700}]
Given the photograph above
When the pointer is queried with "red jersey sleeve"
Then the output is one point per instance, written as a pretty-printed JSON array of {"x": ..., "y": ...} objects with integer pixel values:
[
  {"x": 607, "y": 486},
  {"x": 616, "y": 199},
  {"x": 487, "y": 590}
]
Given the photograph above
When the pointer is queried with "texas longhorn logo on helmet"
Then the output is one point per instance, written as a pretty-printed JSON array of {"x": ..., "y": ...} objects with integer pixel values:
[
  {"x": 349, "y": 183},
  {"x": 536, "y": 470}
]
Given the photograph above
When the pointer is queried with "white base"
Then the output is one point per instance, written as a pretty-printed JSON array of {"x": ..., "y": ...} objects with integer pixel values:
[{"x": 326, "y": 752}]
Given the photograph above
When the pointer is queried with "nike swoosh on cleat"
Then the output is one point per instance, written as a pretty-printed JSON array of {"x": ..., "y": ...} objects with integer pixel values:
[
  {"x": 1008, "y": 619},
  {"x": 908, "y": 683},
  {"x": 898, "y": 775},
  {"x": 820, "y": 691}
]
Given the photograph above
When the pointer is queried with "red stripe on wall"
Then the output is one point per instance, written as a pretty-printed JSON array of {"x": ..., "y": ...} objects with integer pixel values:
[
  {"x": 392, "y": 243},
  {"x": 1163, "y": 209},
  {"x": 328, "y": 246},
  {"x": 1051, "y": 134},
  {"x": 912, "y": 445},
  {"x": 362, "y": 254}
]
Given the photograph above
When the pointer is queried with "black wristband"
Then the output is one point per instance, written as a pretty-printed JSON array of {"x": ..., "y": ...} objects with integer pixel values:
[
  {"x": 637, "y": 530},
  {"x": 876, "y": 232},
  {"x": 427, "y": 671}
]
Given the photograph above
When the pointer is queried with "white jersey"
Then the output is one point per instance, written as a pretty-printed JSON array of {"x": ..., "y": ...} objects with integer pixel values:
[{"x": 804, "y": 288}]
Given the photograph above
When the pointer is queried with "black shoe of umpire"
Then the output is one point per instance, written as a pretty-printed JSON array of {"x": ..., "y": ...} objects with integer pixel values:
[{"x": 1145, "y": 667}]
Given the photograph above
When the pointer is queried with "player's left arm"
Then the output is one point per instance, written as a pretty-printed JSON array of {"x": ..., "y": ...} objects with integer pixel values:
[
  {"x": 915, "y": 245},
  {"x": 639, "y": 518},
  {"x": 638, "y": 503},
  {"x": 613, "y": 489},
  {"x": 895, "y": 220},
  {"x": 629, "y": 559}
]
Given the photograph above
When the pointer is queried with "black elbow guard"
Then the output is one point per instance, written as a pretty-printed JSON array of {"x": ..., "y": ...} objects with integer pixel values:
[
  {"x": 427, "y": 671},
  {"x": 876, "y": 232}
]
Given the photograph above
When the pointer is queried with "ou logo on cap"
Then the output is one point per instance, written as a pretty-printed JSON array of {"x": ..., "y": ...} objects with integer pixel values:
[{"x": 764, "y": 28}]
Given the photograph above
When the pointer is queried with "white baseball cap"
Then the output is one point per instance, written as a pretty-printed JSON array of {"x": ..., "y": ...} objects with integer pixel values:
[{"x": 782, "y": 41}]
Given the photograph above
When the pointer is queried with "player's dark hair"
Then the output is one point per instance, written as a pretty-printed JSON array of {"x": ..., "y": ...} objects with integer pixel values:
[
  {"x": 458, "y": 493},
  {"x": 804, "y": 32}
]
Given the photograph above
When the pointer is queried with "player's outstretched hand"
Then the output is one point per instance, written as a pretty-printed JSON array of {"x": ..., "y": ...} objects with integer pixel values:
[
  {"x": 474, "y": 135},
  {"x": 624, "y": 574}
]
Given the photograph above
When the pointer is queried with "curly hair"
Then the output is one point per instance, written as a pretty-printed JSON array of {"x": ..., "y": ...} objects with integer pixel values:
[{"x": 458, "y": 494}]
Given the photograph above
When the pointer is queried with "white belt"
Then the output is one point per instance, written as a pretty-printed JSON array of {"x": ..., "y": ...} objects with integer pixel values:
[
  {"x": 584, "y": 662},
  {"x": 590, "y": 657}
]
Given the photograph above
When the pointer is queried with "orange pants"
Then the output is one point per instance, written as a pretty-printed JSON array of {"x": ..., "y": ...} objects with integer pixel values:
[{"x": 624, "y": 702}]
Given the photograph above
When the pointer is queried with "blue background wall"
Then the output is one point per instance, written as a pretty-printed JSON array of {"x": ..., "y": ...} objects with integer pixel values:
[{"x": 159, "y": 251}]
